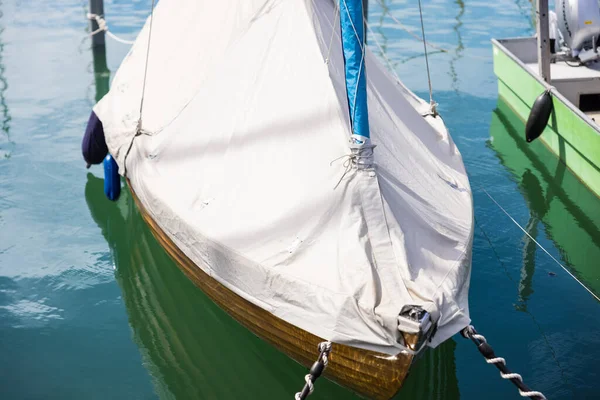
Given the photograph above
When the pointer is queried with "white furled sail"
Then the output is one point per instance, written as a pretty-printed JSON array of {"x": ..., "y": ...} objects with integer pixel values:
[{"x": 244, "y": 159}]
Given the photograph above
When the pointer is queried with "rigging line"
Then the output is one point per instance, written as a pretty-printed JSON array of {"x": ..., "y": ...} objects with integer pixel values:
[
  {"x": 405, "y": 29},
  {"x": 552, "y": 351},
  {"x": 362, "y": 58},
  {"x": 383, "y": 53},
  {"x": 333, "y": 29},
  {"x": 431, "y": 102},
  {"x": 146, "y": 66},
  {"x": 539, "y": 245},
  {"x": 387, "y": 11}
]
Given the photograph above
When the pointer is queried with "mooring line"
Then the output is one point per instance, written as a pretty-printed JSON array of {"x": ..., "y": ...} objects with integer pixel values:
[
  {"x": 539, "y": 245},
  {"x": 552, "y": 351}
]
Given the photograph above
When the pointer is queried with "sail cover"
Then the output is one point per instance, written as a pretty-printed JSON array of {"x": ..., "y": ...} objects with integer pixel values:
[{"x": 243, "y": 159}]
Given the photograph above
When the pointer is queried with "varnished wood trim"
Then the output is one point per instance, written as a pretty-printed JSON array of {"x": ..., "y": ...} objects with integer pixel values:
[{"x": 370, "y": 374}]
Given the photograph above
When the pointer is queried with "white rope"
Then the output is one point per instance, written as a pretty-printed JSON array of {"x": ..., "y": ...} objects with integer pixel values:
[
  {"x": 324, "y": 350},
  {"x": 500, "y": 360},
  {"x": 432, "y": 104},
  {"x": 405, "y": 29},
  {"x": 103, "y": 27},
  {"x": 383, "y": 53},
  {"x": 540, "y": 246},
  {"x": 362, "y": 59},
  {"x": 429, "y": 44},
  {"x": 336, "y": 15}
]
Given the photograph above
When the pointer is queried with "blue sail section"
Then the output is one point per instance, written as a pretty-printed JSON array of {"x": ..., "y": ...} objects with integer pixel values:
[{"x": 353, "y": 42}]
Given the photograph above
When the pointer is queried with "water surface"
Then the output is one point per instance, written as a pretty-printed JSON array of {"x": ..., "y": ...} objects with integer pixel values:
[{"x": 92, "y": 307}]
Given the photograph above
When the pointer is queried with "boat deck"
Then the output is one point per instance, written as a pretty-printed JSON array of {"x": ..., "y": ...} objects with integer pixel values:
[
  {"x": 561, "y": 71},
  {"x": 580, "y": 85}
]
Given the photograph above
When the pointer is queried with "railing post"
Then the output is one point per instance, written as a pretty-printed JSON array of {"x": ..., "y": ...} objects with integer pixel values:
[{"x": 543, "y": 39}]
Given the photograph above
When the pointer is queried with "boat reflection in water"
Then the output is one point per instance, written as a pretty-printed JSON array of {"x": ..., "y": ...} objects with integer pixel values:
[
  {"x": 569, "y": 211},
  {"x": 192, "y": 348}
]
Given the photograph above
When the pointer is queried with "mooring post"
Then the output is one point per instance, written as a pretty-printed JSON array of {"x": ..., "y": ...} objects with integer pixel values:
[
  {"x": 543, "y": 39},
  {"x": 97, "y": 8}
]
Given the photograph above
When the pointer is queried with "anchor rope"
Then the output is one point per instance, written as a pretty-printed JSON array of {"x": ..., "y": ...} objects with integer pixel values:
[
  {"x": 490, "y": 357},
  {"x": 535, "y": 321},
  {"x": 103, "y": 27},
  {"x": 315, "y": 371}
]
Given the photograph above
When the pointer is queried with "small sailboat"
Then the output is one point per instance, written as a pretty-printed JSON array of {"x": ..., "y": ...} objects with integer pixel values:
[{"x": 307, "y": 192}]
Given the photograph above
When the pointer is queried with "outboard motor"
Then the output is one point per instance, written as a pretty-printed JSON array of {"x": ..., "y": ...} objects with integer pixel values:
[{"x": 578, "y": 27}]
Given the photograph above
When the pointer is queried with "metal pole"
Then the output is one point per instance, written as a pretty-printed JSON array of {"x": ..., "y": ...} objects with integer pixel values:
[
  {"x": 97, "y": 7},
  {"x": 543, "y": 39},
  {"x": 366, "y": 15}
]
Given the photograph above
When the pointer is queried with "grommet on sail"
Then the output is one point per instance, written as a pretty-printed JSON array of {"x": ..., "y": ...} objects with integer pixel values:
[{"x": 311, "y": 203}]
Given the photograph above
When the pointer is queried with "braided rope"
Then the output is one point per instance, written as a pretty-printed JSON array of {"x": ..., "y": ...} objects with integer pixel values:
[
  {"x": 103, "y": 27},
  {"x": 500, "y": 363},
  {"x": 324, "y": 350}
]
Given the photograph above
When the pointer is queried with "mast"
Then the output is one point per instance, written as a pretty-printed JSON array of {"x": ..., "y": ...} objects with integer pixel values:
[
  {"x": 543, "y": 39},
  {"x": 353, "y": 43}
]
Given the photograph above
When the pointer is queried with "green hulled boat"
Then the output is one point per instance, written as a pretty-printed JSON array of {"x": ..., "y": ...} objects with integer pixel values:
[
  {"x": 570, "y": 73},
  {"x": 570, "y": 212}
]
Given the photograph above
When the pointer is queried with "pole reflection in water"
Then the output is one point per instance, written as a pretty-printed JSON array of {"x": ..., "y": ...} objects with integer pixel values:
[
  {"x": 6, "y": 144},
  {"x": 192, "y": 348},
  {"x": 458, "y": 52},
  {"x": 568, "y": 211}
]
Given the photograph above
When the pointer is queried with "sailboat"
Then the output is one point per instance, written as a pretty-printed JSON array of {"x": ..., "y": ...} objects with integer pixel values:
[
  {"x": 184, "y": 339},
  {"x": 306, "y": 191}
]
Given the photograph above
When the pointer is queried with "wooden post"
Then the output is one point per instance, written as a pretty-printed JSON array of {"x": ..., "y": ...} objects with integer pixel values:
[
  {"x": 97, "y": 7},
  {"x": 543, "y": 39}
]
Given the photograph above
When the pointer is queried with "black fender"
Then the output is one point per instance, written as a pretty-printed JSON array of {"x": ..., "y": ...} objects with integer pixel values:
[
  {"x": 93, "y": 145},
  {"x": 539, "y": 116}
]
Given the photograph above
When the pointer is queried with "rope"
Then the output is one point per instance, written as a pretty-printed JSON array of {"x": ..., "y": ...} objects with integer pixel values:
[
  {"x": 527, "y": 311},
  {"x": 383, "y": 53},
  {"x": 432, "y": 104},
  {"x": 429, "y": 44},
  {"x": 333, "y": 29},
  {"x": 103, "y": 27},
  {"x": 539, "y": 245},
  {"x": 405, "y": 29},
  {"x": 490, "y": 357},
  {"x": 139, "y": 130},
  {"x": 315, "y": 371},
  {"x": 146, "y": 66},
  {"x": 362, "y": 58}
]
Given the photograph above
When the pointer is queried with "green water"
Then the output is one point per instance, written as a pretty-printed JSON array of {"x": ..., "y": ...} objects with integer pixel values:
[{"x": 92, "y": 307}]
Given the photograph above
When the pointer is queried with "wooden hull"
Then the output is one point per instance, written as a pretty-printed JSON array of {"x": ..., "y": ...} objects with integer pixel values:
[{"x": 370, "y": 374}]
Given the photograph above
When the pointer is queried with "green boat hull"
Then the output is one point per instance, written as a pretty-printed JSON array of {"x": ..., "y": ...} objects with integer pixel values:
[
  {"x": 555, "y": 197},
  {"x": 570, "y": 134}
]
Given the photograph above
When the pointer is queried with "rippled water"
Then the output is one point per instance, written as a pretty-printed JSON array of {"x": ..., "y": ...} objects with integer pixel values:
[{"x": 91, "y": 307}]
